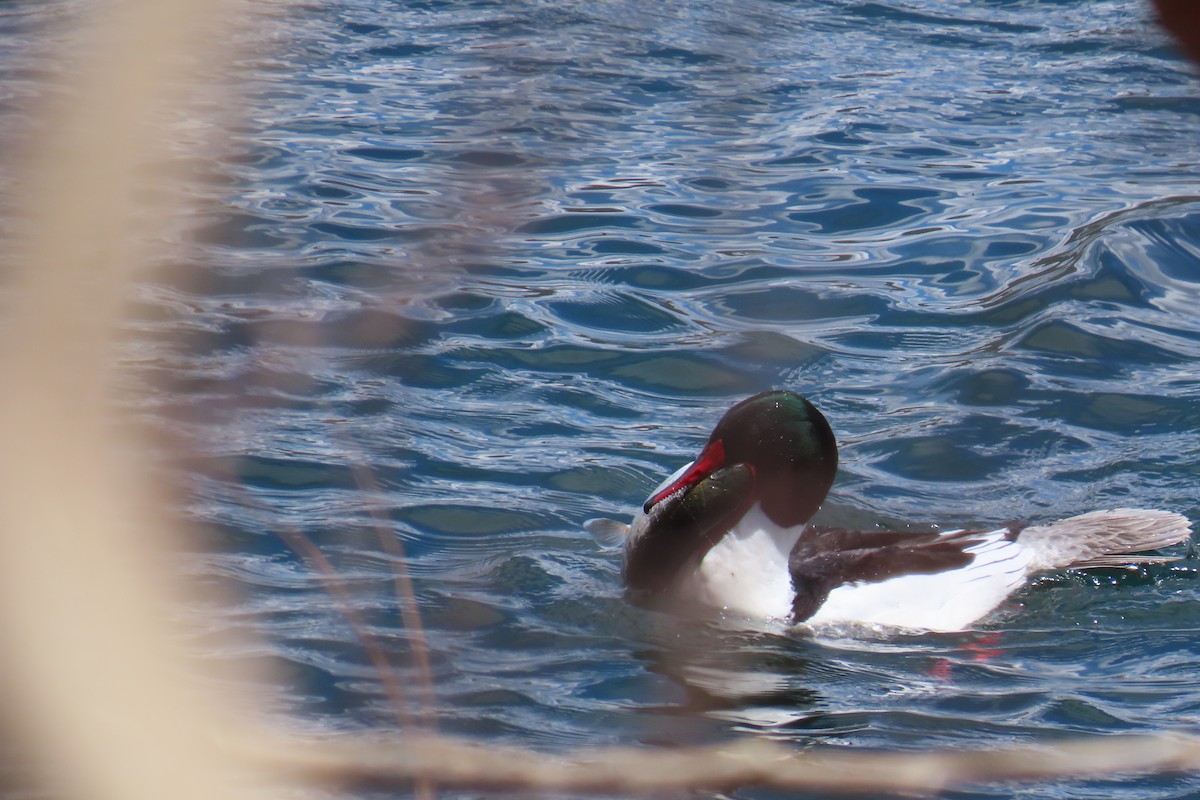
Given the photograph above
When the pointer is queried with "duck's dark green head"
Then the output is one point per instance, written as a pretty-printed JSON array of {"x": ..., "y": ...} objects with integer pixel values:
[{"x": 774, "y": 448}]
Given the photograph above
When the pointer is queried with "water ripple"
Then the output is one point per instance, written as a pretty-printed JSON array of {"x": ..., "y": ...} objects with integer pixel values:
[{"x": 513, "y": 260}]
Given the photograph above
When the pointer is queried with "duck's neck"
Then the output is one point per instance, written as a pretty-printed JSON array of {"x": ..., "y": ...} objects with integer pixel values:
[{"x": 746, "y": 573}]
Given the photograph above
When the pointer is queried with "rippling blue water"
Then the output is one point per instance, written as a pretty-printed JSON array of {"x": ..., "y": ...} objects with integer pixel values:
[{"x": 512, "y": 261}]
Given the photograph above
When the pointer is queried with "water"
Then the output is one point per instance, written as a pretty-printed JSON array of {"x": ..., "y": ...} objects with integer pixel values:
[{"x": 484, "y": 271}]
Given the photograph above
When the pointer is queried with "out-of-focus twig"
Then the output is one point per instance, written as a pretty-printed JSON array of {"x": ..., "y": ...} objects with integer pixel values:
[
  {"x": 644, "y": 771},
  {"x": 410, "y": 612},
  {"x": 1182, "y": 18},
  {"x": 95, "y": 680}
]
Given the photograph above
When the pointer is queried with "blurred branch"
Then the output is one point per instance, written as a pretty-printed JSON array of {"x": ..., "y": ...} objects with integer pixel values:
[
  {"x": 454, "y": 762},
  {"x": 1182, "y": 18},
  {"x": 97, "y": 686}
]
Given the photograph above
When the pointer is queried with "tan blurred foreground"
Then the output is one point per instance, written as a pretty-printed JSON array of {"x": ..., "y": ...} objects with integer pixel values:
[{"x": 100, "y": 696}]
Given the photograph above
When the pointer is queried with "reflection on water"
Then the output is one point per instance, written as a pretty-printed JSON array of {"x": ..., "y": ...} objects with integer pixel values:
[{"x": 514, "y": 260}]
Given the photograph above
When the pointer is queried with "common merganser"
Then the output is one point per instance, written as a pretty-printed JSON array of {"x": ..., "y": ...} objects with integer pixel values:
[{"x": 731, "y": 530}]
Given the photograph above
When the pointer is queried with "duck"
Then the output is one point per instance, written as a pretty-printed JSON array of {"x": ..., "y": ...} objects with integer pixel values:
[{"x": 732, "y": 531}]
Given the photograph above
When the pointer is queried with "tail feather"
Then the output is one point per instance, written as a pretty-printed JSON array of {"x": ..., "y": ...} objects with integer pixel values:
[
  {"x": 609, "y": 533},
  {"x": 1128, "y": 560},
  {"x": 1104, "y": 539}
]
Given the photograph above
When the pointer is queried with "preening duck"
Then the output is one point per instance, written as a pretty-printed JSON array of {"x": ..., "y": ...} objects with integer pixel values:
[{"x": 731, "y": 530}]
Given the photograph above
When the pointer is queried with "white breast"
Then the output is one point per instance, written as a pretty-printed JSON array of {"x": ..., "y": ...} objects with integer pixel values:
[{"x": 746, "y": 573}]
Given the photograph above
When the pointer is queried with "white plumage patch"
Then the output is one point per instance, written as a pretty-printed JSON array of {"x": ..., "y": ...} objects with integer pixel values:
[
  {"x": 941, "y": 601},
  {"x": 746, "y": 573}
]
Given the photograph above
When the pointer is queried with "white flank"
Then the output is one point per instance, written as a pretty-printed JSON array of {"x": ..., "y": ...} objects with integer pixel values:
[
  {"x": 941, "y": 601},
  {"x": 746, "y": 573}
]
